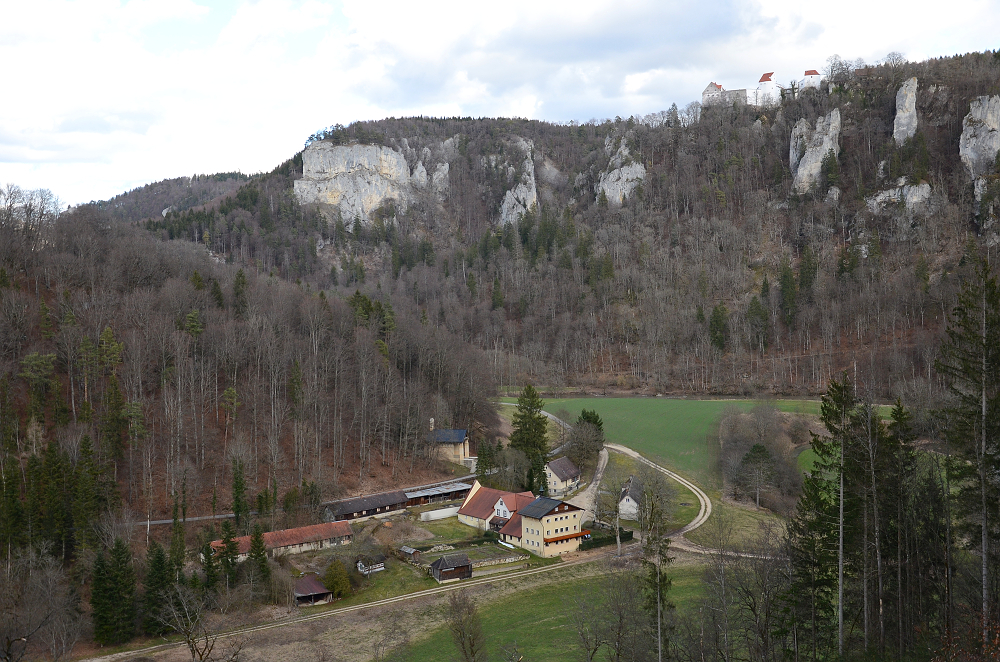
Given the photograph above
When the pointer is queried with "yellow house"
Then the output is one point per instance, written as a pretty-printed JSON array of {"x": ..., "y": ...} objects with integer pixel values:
[
  {"x": 561, "y": 476},
  {"x": 550, "y": 527}
]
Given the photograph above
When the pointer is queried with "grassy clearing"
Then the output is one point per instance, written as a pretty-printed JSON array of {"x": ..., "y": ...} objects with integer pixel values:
[
  {"x": 744, "y": 523},
  {"x": 807, "y": 458},
  {"x": 447, "y": 531},
  {"x": 682, "y": 434},
  {"x": 539, "y": 619},
  {"x": 681, "y": 515},
  {"x": 398, "y": 578}
]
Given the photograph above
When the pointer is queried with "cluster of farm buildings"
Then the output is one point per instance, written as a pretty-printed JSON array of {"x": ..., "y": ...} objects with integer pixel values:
[
  {"x": 767, "y": 93},
  {"x": 542, "y": 525}
]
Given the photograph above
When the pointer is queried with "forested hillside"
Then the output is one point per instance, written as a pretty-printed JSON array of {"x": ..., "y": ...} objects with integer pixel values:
[{"x": 710, "y": 277}]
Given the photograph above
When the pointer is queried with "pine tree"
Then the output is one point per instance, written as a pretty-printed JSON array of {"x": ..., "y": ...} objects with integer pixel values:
[
  {"x": 113, "y": 596},
  {"x": 789, "y": 292},
  {"x": 336, "y": 579},
  {"x": 258, "y": 555},
  {"x": 100, "y": 601},
  {"x": 114, "y": 423},
  {"x": 159, "y": 577},
  {"x": 240, "y": 294},
  {"x": 217, "y": 297},
  {"x": 209, "y": 566}
]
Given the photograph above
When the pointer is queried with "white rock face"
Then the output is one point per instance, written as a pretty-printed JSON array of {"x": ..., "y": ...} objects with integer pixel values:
[
  {"x": 809, "y": 146},
  {"x": 439, "y": 180},
  {"x": 914, "y": 198},
  {"x": 354, "y": 178},
  {"x": 524, "y": 195},
  {"x": 905, "y": 124},
  {"x": 980, "y": 140},
  {"x": 419, "y": 176},
  {"x": 623, "y": 174}
]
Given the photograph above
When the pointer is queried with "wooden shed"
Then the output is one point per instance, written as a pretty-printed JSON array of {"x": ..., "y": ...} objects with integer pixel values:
[
  {"x": 309, "y": 590},
  {"x": 409, "y": 554},
  {"x": 452, "y": 567}
]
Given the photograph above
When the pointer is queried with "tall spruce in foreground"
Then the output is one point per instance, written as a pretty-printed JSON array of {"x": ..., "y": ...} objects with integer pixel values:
[
  {"x": 159, "y": 577},
  {"x": 970, "y": 361},
  {"x": 529, "y": 435},
  {"x": 113, "y": 595}
]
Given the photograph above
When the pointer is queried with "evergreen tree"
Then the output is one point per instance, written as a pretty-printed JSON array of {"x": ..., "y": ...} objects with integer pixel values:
[
  {"x": 808, "y": 266},
  {"x": 497, "y": 301},
  {"x": 177, "y": 547},
  {"x": 216, "y": 293},
  {"x": 258, "y": 556},
  {"x": 159, "y": 577},
  {"x": 209, "y": 566},
  {"x": 530, "y": 427},
  {"x": 336, "y": 579},
  {"x": 757, "y": 318},
  {"x": 114, "y": 422},
  {"x": 718, "y": 327},
  {"x": 241, "y": 507},
  {"x": 229, "y": 554},
  {"x": 240, "y": 294},
  {"x": 591, "y": 416},
  {"x": 113, "y": 596}
]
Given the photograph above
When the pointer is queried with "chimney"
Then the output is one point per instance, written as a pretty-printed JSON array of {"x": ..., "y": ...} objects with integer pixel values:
[{"x": 432, "y": 425}]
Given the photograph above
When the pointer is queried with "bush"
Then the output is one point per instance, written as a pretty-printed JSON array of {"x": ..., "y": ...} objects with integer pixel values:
[{"x": 604, "y": 539}]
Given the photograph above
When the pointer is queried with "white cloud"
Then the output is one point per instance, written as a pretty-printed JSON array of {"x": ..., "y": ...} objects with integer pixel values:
[{"x": 103, "y": 95}]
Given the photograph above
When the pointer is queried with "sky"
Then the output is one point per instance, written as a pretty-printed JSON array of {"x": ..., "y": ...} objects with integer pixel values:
[{"x": 102, "y": 96}]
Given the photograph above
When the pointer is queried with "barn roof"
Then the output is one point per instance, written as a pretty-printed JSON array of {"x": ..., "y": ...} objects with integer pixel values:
[
  {"x": 447, "y": 436},
  {"x": 563, "y": 468},
  {"x": 480, "y": 505},
  {"x": 370, "y": 502},
  {"x": 309, "y": 585},
  {"x": 297, "y": 536},
  {"x": 451, "y": 561}
]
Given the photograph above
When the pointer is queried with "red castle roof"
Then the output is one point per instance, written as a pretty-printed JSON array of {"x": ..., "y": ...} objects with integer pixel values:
[
  {"x": 812, "y": 72},
  {"x": 766, "y": 78}
]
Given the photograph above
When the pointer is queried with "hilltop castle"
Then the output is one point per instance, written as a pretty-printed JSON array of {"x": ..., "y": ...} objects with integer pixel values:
[{"x": 768, "y": 92}]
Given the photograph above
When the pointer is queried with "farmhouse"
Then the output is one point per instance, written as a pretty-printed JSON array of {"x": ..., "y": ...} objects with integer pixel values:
[
  {"x": 296, "y": 541},
  {"x": 451, "y": 567},
  {"x": 451, "y": 445},
  {"x": 562, "y": 476},
  {"x": 629, "y": 498},
  {"x": 550, "y": 527},
  {"x": 486, "y": 508}
]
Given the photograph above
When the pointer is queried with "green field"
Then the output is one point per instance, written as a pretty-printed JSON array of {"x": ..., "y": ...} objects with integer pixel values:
[
  {"x": 539, "y": 619},
  {"x": 679, "y": 433}
]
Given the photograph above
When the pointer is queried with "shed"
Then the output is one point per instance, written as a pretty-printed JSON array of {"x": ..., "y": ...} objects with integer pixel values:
[
  {"x": 370, "y": 564},
  {"x": 366, "y": 506},
  {"x": 309, "y": 590},
  {"x": 409, "y": 554},
  {"x": 452, "y": 567}
]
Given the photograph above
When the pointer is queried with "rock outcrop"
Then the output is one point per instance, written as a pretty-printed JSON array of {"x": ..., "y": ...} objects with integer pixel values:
[
  {"x": 810, "y": 146},
  {"x": 623, "y": 174},
  {"x": 356, "y": 179},
  {"x": 905, "y": 124},
  {"x": 914, "y": 199},
  {"x": 980, "y": 140},
  {"x": 524, "y": 195}
]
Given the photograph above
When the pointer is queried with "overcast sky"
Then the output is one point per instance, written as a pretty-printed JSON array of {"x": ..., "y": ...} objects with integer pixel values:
[{"x": 101, "y": 96}]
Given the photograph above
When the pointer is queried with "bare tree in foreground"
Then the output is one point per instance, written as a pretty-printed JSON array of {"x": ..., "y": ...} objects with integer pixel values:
[
  {"x": 35, "y": 604},
  {"x": 184, "y": 612},
  {"x": 466, "y": 627}
]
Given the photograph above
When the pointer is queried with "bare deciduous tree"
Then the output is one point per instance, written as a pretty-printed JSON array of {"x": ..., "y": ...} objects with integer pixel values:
[{"x": 466, "y": 628}]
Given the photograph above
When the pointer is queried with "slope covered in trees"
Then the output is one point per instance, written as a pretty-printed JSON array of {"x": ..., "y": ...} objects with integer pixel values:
[{"x": 712, "y": 276}]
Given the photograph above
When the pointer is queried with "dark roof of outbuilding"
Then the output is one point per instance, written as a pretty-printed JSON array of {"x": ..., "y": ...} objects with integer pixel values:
[
  {"x": 449, "y": 561},
  {"x": 371, "y": 502},
  {"x": 308, "y": 585},
  {"x": 446, "y": 436},
  {"x": 563, "y": 468}
]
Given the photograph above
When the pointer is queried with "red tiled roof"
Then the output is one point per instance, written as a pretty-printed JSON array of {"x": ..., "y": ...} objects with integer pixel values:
[
  {"x": 512, "y": 527},
  {"x": 766, "y": 78},
  {"x": 812, "y": 72},
  {"x": 297, "y": 536},
  {"x": 480, "y": 505}
]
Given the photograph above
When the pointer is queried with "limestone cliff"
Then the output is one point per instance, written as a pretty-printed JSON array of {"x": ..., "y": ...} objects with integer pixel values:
[
  {"x": 355, "y": 179},
  {"x": 524, "y": 195},
  {"x": 980, "y": 140},
  {"x": 623, "y": 174},
  {"x": 809, "y": 146},
  {"x": 905, "y": 124},
  {"x": 914, "y": 199}
]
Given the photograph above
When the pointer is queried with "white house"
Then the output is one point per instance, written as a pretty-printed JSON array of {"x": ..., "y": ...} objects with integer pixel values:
[
  {"x": 812, "y": 79},
  {"x": 629, "y": 499}
]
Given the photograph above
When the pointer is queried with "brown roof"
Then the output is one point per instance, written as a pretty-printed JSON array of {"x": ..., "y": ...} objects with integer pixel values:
[
  {"x": 766, "y": 77},
  {"x": 564, "y": 469},
  {"x": 812, "y": 72},
  {"x": 450, "y": 561},
  {"x": 298, "y": 536},
  {"x": 308, "y": 585},
  {"x": 512, "y": 527},
  {"x": 568, "y": 536},
  {"x": 480, "y": 505}
]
